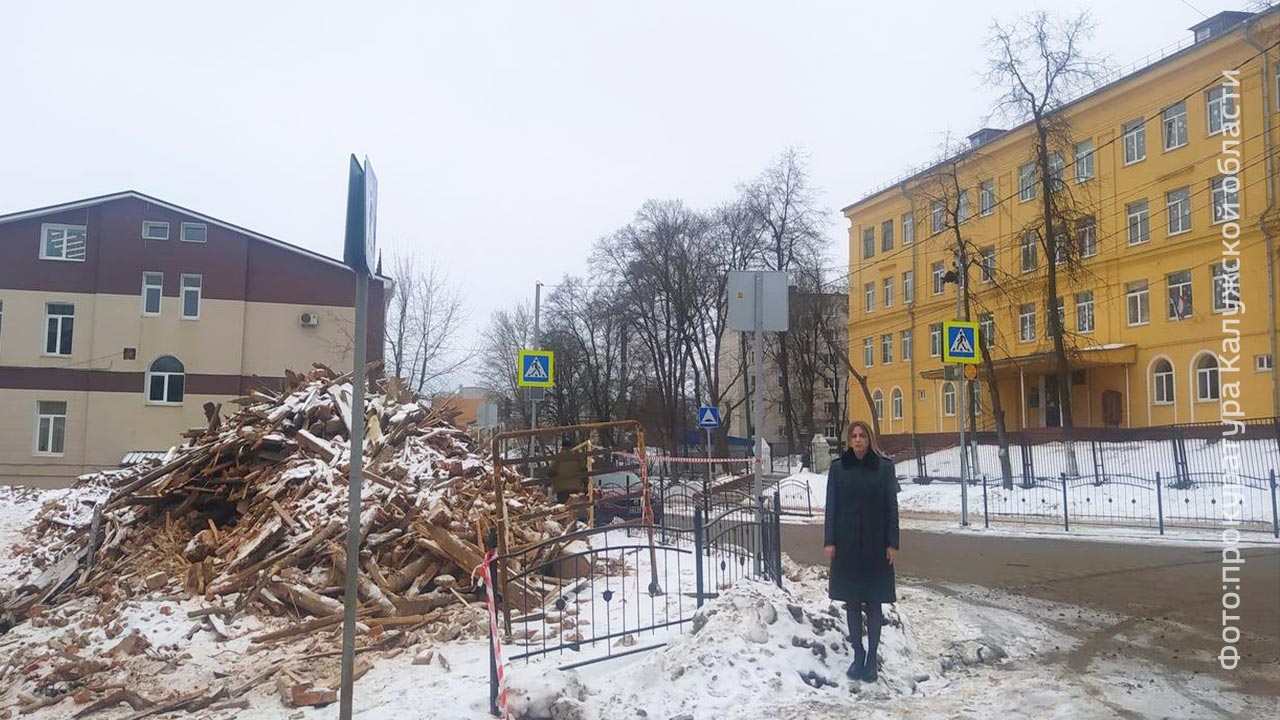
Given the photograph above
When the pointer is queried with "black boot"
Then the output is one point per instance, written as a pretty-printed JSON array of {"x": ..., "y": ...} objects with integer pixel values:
[
  {"x": 875, "y": 620},
  {"x": 859, "y": 661},
  {"x": 869, "y": 668}
]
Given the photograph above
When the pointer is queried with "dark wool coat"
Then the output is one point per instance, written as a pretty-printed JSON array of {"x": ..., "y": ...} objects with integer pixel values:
[{"x": 862, "y": 522}]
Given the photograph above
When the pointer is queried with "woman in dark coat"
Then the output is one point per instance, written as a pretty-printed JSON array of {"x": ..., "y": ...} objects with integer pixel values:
[{"x": 861, "y": 540}]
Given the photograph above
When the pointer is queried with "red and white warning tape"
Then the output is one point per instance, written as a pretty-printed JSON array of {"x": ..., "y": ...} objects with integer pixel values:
[
  {"x": 679, "y": 459},
  {"x": 483, "y": 570}
]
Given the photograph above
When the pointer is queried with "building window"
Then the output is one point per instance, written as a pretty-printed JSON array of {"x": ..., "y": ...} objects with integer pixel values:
[
  {"x": 886, "y": 236},
  {"x": 1084, "y": 160},
  {"x": 152, "y": 289},
  {"x": 195, "y": 232},
  {"x": 1207, "y": 378},
  {"x": 908, "y": 229},
  {"x": 166, "y": 381},
  {"x": 1175, "y": 126},
  {"x": 62, "y": 242},
  {"x": 939, "y": 272},
  {"x": 1139, "y": 222},
  {"x": 986, "y": 197},
  {"x": 59, "y": 324},
  {"x": 1087, "y": 236},
  {"x": 962, "y": 207},
  {"x": 51, "y": 427},
  {"x": 907, "y": 341},
  {"x": 1179, "y": 295},
  {"x": 1027, "y": 323},
  {"x": 155, "y": 230},
  {"x": 987, "y": 327},
  {"x": 1226, "y": 288},
  {"x": 192, "y": 285},
  {"x": 938, "y": 216},
  {"x": 1162, "y": 378},
  {"x": 895, "y": 402},
  {"x": 935, "y": 340},
  {"x": 948, "y": 399},
  {"x": 886, "y": 348},
  {"x": 1263, "y": 363},
  {"x": 1138, "y": 302},
  {"x": 869, "y": 293},
  {"x": 909, "y": 286},
  {"x": 1221, "y": 107},
  {"x": 1060, "y": 247},
  {"x": 1084, "y": 312},
  {"x": 868, "y": 242},
  {"x": 828, "y": 383},
  {"x": 1062, "y": 319},
  {"x": 1179, "y": 203},
  {"x": 1027, "y": 182},
  {"x": 1226, "y": 198},
  {"x": 888, "y": 292},
  {"x": 877, "y": 401},
  {"x": 1055, "y": 170},
  {"x": 1030, "y": 253},
  {"x": 1135, "y": 141},
  {"x": 988, "y": 255},
  {"x": 869, "y": 352}
]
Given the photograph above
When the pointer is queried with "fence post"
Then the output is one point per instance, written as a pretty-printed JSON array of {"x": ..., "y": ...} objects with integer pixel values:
[
  {"x": 1275, "y": 516},
  {"x": 662, "y": 501},
  {"x": 762, "y": 552},
  {"x": 986, "y": 517},
  {"x": 697, "y": 553},
  {"x": 1160, "y": 501},
  {"x": 493, "y": 660},
  {"x": 1066, "y": 519},
  {"x": 777, "y": 535}
]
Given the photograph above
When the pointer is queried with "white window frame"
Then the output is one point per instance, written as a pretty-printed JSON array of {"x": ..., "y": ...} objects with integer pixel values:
[
  {"x": 1138, "y": 215},
  {"x": 908, "y": 228},
  {"x": 908, "y": 343},
  {"x": 1225, "y": 198},
  {"x": 869, "y": 352},
  {"x": 869, "y": 242},
  {"x": 1183, "y": 284},
  {"x": 895, "y": 403},
  {"x": 1135, "y": 141},
  {"x": 1215, "y": 104},
  {"x": 1181, "y": 205},
  {"x": 1027, "y": 323},
  {"x": 158, "y": 287},
  {"x": 909, "y": 286},
  {"x": 1203, "y": 375},
  {"x": 938, "y": 217},
  {"x": 1027, "y": 183},
  {"x": 886, "y": 349},
  {"x": 877, "y": 402},
  {"x": 886, "y": 236},
  {"x": 948, "y": 399},
  {"x": 167, "y": 376},
  {"x": 1174, "y": 126},
  {"x": 39, "y": 431},
  {"x": 64, "y": 227},
  {"x": 1137, "y": 297},
  {"x": 1164, "y": 392},
  {"x": 184, "y": 289},
  {"x": 1084, "y": 312},
  {"x": 869, "y": 297},
  {"x": 987, "y": 328},
  {"x": 988, "y": 264},
  {"x": 1056, "y": 168},
  {"x": 935, "y": 340},
  {"x": 962, "y": 207},
  {"x": 1218, "y": 273},
  {"x": 1029, "y": 253},
  {"x": 1263, "y": 362},
  {"x": 888, "y": 292},
  {"x": 149, "y": 225},
  {"x": 1087, "y": 236},
  {"x": 937, "y": 273},
  {"x": 1084, "y": 160},
  {"x": 191, "y": 226},
  {"x": 61, "y": 319},
  {"x": 986, "y": 197}
]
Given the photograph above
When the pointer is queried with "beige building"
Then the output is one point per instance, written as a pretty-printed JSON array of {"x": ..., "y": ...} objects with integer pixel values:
[{"x": 122, "y": 315}]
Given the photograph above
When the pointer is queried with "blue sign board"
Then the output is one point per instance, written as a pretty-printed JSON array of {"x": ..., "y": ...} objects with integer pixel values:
[
  {"x": 961, "y": 342},
  {"x": 708, "y": 417}
]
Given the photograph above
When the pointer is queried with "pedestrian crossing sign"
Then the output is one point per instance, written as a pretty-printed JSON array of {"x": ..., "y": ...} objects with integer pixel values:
[
  {"x": 536, "y": 368},
  {"x": 960, "y": 343}
]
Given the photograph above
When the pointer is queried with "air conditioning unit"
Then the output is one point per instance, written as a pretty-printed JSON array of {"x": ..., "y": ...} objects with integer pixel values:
[{"x": 309, "y": 319}]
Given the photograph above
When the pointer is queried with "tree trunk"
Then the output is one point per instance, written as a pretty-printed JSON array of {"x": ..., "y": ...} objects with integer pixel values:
[{"x": 784, "y": 379}]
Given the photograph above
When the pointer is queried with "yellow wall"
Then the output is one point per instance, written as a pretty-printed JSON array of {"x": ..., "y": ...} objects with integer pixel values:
[{"x": 1099, "y": 117}]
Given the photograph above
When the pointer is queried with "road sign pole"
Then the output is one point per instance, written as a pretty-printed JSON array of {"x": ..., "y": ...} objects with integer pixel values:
[
  {"x": 759, "y": 415},
  {"x": 963, "y": 387},
  {"x": 537, "y": 313},
  {"x": 708, "y": 459}
]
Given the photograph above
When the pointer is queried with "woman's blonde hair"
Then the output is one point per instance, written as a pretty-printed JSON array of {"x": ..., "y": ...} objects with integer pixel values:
[{"x": 872, "y": 441}]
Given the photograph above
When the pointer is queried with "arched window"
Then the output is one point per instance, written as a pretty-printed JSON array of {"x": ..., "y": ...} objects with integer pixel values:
[
  {"x": 895, "y": 401},
  {"x": 948, "y": 399},
  {"x": 166, "y": 381},
  {"x": 1207, "y": 378},
  {"x": 877, "y": 398},
  {"x": 1162, "y": 376}
]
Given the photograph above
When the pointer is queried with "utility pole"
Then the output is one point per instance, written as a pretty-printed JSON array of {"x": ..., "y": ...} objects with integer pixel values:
[
  {"x": 759, "y": 419},
  {"x": 962, "y": 274},
  {"x": 534, "y": 392}
]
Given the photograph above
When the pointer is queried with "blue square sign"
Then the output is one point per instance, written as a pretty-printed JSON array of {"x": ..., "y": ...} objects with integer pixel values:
[
  {"x": 960, "y": 342},
  {"x": 708, "y": 417}
]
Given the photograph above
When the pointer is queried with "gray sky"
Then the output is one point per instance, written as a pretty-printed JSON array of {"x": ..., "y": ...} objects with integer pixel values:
[{"x": 507, "y": 136}]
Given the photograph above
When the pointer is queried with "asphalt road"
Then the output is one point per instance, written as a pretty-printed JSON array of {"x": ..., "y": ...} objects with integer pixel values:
[{"x": 1168, "y": 597}]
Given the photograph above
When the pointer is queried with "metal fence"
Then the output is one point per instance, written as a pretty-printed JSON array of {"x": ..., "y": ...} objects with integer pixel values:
[{"x": 595, "y": 594}]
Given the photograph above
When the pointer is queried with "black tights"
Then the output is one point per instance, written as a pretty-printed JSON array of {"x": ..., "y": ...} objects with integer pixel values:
[{"x": 875, "y": 619}]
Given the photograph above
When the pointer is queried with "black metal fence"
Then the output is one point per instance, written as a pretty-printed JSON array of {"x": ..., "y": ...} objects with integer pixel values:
[{"x": 598, "y": 593}]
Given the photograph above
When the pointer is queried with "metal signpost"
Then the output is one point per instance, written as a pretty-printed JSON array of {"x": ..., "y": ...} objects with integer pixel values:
[
  {"x": 708, "y": 420},
  {"x": 960, "y": 345},
  {"x": 758, "y": 303},
  {"x": 361, "y": 254}
]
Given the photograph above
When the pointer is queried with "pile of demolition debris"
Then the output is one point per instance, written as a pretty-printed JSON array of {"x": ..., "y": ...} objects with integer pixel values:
[{"x": 243, "y": 527}]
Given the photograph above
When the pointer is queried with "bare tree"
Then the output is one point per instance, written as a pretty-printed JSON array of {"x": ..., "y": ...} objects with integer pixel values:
[
  {"x": 507, "y": 332},
  {"x": 1041, "y": 64},
  {"x": 423, "y": 322}
]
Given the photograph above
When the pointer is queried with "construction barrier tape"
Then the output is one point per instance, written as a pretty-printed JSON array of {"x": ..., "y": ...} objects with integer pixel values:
[
  {"x": 677, "y": 459},
  {"x": 483, "y": 570}
]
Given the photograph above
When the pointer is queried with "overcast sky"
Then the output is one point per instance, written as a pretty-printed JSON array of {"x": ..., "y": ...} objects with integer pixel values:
[{"x": 507, "y": 136}]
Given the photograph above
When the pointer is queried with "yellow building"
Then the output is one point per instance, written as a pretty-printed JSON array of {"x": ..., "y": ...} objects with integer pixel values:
[{"x": 1149, "y": 310}]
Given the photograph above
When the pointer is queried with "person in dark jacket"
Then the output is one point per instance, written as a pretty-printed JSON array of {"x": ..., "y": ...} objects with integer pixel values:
[{"x": 861, "y": 541}]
